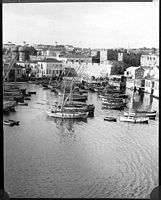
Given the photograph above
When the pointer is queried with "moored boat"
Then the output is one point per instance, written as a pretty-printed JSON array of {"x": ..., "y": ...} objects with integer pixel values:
[
  {"x": 133, "y": 119},
  {"x": 14, "y": 122},
  {"x": 141, "y": 114},
  {"x": 8, "y": 123},
  {"x": 110, "y": 119},
  {"x": 32, "y": 92},
  {"x": 115, "y": 107},
  {"x": 23, "y": 103},
  {"x": 73, "y": 107},
  {"x": 66, "y": 115}
]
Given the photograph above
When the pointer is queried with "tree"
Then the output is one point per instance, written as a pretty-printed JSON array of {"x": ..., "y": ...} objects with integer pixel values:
[
  {"x": 112, "y": 55},
  {"x": 119, "y": 67}
]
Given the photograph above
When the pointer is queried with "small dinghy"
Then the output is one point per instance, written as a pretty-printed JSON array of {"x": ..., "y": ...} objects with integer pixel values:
[
  {"x": 23, "y": 103},
  {"x": 14, "y": 122},
  {"x": 32, "y": 92},
  {"x": 7, "y": 122},
  {"x": 27, "y": 98},
  {"x": 110, "y": 119}
]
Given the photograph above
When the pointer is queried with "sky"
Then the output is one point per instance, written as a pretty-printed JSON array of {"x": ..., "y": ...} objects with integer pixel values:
[{"x": 88, "y": 25}]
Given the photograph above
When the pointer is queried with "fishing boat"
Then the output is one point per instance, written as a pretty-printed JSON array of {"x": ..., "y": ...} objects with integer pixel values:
[
  {"x": 115, "y": 107},
  {"x": 8, "y": 123},
  {"x": 133, "y": 119},
  {"x": 110, "y": 119},
  {"x": 32, "y": 92},
  {"x": 62, "y": 111},
  {"x": 23, "y": 103},
  {"x": 141, "y": 114},
  {"x": 146, "y": 111},
  {"x": 76, "y": 107},
  {"x": 27, "y": 98},
  {"x": 66, "y": 115},
  {"x": 114, "y": 103},
  {"x": 14, "y": 122}
]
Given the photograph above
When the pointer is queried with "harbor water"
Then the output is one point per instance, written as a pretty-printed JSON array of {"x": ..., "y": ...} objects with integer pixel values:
[{"x": 93, "y": 158}]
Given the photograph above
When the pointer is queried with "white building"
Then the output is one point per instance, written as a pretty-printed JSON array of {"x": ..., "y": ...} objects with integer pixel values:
[
  {"x": 149, "y": 60},
  {"x": 49, "y": 67},
  {"x": 120, "y": 56},
  {"x": 156, "y": 88}
]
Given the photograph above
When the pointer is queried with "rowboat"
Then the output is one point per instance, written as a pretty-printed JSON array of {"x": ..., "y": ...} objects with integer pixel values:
[
  {"x": 141, "y": 114},
  {"x": 32, "y": 92},
  {"x": 65, "y": 115},
  {"x": 146, "y": 111},
  {"x": 6, "y": 122},
  {"x": 23, "y": 103},
  {"x": 14, "y": 122},
  {"x": 133, "y": 119},
  {"x": 110, "y": 119},
  {"x": 80, "y": 108},
  {"x": 115, "y": 107}
]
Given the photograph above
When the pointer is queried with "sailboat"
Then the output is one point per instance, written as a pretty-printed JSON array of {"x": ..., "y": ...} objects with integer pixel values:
[
  {"x": 133, "y": 117},
  {"x": 66, "y": 113}
]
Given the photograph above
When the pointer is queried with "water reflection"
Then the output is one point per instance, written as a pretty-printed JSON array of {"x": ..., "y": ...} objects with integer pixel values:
[{"x": 66, "y": 127}]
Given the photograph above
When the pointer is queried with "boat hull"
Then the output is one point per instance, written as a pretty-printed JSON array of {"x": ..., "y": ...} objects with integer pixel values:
[
  {"x": 134, "y": 119},
  {"x": 110, "y": 119},
  {"x": 67, "y": 115},
  {"x": 141, "y": 114}
]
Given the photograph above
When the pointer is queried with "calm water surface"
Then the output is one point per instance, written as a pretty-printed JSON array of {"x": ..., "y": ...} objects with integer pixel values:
[{"x": 54, "y": 158}]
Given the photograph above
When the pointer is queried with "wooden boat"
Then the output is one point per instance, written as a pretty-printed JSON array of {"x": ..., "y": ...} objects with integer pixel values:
[
  {"x": 23, "y": 103},
  {"x": 133, "y": 119},
  {"x": 27, "y": 95},
  {"x": 66, "y": 115},
  {"x": 113, "y": 100},
  {"x": 27, "y": 98},
  {"x": 110, "y": 119},
  {"x": 146, "y": 111},
  {"x": 77, "y": 97},
  {"x": 14, "y": 122},
  {"x": 32, "y": 92},
  {"x": 141, "y": 114},
  {"x": 115, "y": 107},
  {"x": 71, "y": 107},
  {"x": 8, "y": 123},
  {"x": 112, "y": 103}
]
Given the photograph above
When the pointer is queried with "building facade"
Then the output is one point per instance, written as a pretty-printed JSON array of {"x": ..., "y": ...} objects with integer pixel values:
[
  {"x": 149, "y": 60},
  {"x": 49, "y": 67}
]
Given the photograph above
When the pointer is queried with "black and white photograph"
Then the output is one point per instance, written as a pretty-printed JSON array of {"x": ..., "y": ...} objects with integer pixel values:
[{"x": 80, "y": 99}]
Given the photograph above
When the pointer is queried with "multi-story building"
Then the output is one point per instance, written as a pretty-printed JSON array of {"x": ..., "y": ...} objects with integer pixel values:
[
  {"x": 99, "y": 55},
  {"x": 150, "y": 60},
  {"x": 120, "y": 56},
  {"x": 49, "y": 67}
]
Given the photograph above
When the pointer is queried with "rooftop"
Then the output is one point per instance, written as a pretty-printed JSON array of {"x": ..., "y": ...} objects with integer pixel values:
[{"x": 50, "y": 60}]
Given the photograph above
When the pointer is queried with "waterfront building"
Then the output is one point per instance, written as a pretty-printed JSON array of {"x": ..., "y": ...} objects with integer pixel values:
[
  {"x": 149, "y": 60},
  {"x": 133, "y": 72},
  {"x": 76, "y": 58},
  {"x": 49, "y": 67},
  {"x": 156, "y": 88}
]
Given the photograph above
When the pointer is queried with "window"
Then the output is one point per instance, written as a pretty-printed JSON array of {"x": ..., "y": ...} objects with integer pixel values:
[
  {"x": 47, "y": 71},
  {"x": 153, "y": 58}
]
